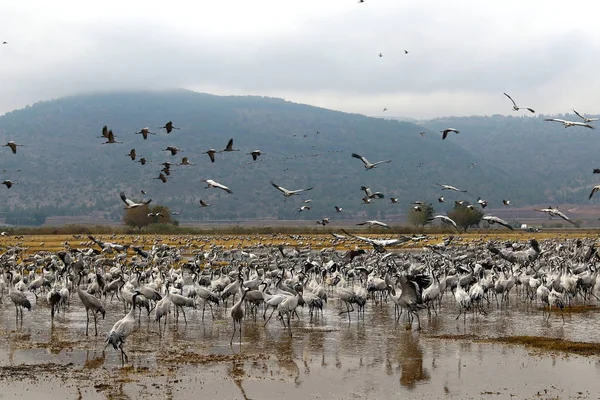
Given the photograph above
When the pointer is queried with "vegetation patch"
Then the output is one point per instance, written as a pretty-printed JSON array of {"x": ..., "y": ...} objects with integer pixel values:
[
  {"x": 550, "y": 344},
  {"x": 537, "y": 342}
]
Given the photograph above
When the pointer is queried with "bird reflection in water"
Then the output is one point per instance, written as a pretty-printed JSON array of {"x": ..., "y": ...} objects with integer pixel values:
[{"x": 409, "y": 355}]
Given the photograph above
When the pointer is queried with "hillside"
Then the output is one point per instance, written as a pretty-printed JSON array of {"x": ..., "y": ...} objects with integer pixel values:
[{"x": 64, "y": 169}]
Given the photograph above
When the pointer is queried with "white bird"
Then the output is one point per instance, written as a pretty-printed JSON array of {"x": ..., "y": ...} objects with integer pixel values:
[
  {"x": 448, "y": 187},
  {"x": 210, "y": 183},
  {"x": 516, "y": 108},
  {"x": 568, "y": 124},
  {"x": 374, "y": 223},
  {"x": 204, "y": 204},
  {"x": 287, "y": 193},
  {"x": 393, "y": 199},
  {"x": 303, "y": 208},
  {"x": 307, "y": 201},
  {"x": 370, "y": 194},
  {"x": 338, "y": 209},
  {"x": 586, "y": 119},
  {"x": 448, "y": 130},
  {"x": 553, "y": 212},
  {"x": 132, "y": 204},
  {"x": 445, "y": 219},
  {"x": 495, "y": 220},
  {"x": 378, "y": 244},
  {"x": 594, "y": 190},
  {"x": 506, "y": 202},
  {"x": 369, "y": 165}
]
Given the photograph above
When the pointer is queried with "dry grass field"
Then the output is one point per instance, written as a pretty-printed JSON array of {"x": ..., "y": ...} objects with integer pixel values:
[{"x": 191, "y": 243}]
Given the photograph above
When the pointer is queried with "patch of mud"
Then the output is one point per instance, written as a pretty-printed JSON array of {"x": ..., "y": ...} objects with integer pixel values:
[
  {"x": 538, "y": 342},
  {"x": 198, "y": 359},
  {"x": 550, "y": 344}
]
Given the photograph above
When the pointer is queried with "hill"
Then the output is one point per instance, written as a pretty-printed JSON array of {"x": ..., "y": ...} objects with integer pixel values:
[{"x": 64, "y": 169}]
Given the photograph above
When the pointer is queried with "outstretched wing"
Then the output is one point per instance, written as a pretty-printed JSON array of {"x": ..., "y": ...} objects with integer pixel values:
[
  {"x": 579, "y": 115},
  {"x": 515, "y": 104},
  {"x": 361, "y": 158},
  {"x": 126, "y": 200},
  {"x": 281, "y": 189}
]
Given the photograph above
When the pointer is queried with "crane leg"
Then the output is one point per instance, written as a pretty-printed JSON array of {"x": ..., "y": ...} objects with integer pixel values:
[
  {"x": 270, "y": 317},
  {"x": 87, "y": 322},
  {"x": 184, "y": 318},
  {"x": 96, "y": 324},
  {"x": 233, "y": 334}
]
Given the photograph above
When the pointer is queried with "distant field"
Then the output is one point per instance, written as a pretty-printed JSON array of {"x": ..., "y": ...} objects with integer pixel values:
[{"x": 194, "y": 243}]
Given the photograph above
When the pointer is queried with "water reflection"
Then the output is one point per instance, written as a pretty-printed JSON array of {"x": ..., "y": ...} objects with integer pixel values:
[{"x": 406, "y": 351}]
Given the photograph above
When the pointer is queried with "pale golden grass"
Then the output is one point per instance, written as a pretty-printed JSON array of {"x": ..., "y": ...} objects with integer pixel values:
[{"x": 192, "y": 243}]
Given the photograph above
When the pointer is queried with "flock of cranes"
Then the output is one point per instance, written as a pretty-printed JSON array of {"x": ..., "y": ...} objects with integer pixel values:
[{"x": 280, "y": 279}]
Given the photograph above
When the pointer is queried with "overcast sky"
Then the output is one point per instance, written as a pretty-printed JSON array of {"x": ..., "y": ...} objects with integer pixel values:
[{"x": 462, "y": 54}]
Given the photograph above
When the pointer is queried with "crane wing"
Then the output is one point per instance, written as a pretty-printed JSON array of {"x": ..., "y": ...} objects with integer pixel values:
[
  {"x": 361, "y": 158},
  {"x": 515, "y": 104}
]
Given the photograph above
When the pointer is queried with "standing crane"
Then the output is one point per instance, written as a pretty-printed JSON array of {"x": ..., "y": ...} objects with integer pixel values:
[
  {"x": 122, "y": 329},
  {"x": 237, "y": 313}
]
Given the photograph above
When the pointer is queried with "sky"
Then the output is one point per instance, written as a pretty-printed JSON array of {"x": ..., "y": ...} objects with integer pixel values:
[{"x": 462, "y": 55}]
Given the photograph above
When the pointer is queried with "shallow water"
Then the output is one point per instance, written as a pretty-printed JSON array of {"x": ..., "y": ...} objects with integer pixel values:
[{"x": 326, "y": 357}]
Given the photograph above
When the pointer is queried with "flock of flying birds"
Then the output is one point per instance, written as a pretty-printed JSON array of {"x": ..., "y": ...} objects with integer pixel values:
[{"x": 369, "y": 196}]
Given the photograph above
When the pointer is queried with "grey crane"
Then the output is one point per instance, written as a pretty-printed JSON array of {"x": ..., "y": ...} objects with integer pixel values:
[
  {"x": 411, "y": 299},
  {"x": 495, "y": 220},
  {"x": 448, "y": 130},
  {"x": 8, "y": 183},
  {"x": 229, "y": 146},
  {"x": 122, "y": 329},
  {"x": 211, "y": 154},
  {"x": 369, "y": 165},
  {"x": 370, "y": 194},
  {"x": 185, "y": 161},
  {"x": 179, "y": 302},
  {"x": 132, "y": 204},
  {"x": 449, "y": 187},
  {"x": 288, "y": 193},
  {"x": 19, "y": 300},
  {"x": 132, "y": 154},
  {"x": 91, "y": 303},
  {"x": 287, "y": 307},
  {"x": 210, "y": 183},
  {"x": 145, "y": 132},
  {"x": 237, "y": 314},
  {"x": 111, "y": 138},
  {"x": 554, "y": 212},
  {"x": 568, "y": 124},
  {"x": 169, "y": 127},
  {"x": 445, "y": 219},
  {"x": 586, "y": 119},
  {"x": 163, "y": 309},
  {"x": 13, "y": 146},
  {"x": 517, "y": 108},
  {"x": 255, "y": 154},
  {"x": 54, "y": 299},
  {"x": 373, "y": 222},
  {"x": 174, "y": 150}
]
